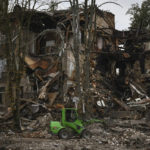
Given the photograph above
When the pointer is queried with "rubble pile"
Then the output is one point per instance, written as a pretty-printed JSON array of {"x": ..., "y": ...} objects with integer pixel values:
[
  {"x": 119, "y": 78},
  {"x": 126, "y": 115},
  {"x": 106, "y": 99},
  {"x": 112, "y": 95},
  {"x": 119, "y": 134}
]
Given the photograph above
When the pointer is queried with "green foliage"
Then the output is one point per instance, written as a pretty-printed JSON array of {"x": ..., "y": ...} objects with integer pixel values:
[{"x": 140, "y": 15}]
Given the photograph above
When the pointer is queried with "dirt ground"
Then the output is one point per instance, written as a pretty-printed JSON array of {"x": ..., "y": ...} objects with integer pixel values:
[{"x": 116, "y": 135}]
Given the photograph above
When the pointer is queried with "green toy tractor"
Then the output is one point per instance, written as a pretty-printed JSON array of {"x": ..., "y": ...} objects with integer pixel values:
[{"x": 69, "y": 125}]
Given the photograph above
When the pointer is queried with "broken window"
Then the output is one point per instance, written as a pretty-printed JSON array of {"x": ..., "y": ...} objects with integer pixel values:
[
  {"x": 100, "y": 43},
  {"x": 2, "y": 38},
  {"x": 50, "y": 43},
  {"x": 2, "y": 66},
  {"x": 117, "y": 71},
  {"x": 21, "y": 91},
  {"x": 2, "y": 94}
]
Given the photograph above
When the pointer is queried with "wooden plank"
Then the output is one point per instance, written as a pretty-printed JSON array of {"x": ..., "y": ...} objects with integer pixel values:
[{"x": 122, "y": 104}]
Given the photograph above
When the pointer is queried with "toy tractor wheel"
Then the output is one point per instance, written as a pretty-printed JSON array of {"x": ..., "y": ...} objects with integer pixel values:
[
  {"x": 63, "y": 134},
  {"x": 86, "y": 134}
]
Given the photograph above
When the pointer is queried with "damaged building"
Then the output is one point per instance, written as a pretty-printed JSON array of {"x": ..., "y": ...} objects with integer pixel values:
[
  {"x": 48, "y": 55},
  {"x": 116, "y": 60},
  {"x": 70, "y": 74}
]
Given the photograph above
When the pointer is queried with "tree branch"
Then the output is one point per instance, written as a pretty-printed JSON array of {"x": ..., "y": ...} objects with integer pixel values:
[{"x": 109, "y": 3}]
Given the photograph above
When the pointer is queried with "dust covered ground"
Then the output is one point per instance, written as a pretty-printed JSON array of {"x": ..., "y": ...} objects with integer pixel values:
[{"x": 117, "y": 134}]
